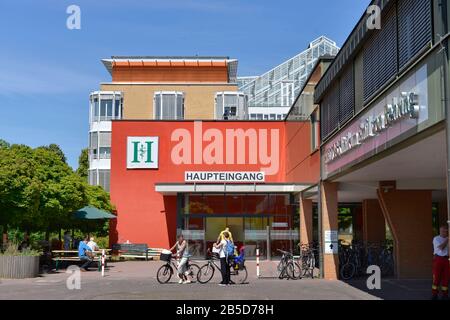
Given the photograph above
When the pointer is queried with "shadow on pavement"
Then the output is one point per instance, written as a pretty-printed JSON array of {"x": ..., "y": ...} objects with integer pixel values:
[{"x": 395, "y": 289}]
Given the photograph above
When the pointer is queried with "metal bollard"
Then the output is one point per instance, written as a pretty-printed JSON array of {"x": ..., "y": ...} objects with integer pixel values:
[
  {"x": 257, "y": 262},
  {"x": 103, "y": 262}
]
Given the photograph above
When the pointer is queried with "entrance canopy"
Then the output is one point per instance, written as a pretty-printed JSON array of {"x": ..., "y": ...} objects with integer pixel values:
[{"x": 174, "y": 188}]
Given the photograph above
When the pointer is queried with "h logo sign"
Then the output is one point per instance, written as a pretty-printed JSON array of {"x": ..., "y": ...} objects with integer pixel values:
[{"x": 142, "y": 152}]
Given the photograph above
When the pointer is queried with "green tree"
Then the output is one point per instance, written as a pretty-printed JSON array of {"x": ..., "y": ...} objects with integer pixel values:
[
  {"x": 83, "y": 163},
  {"x": 61, "y": 191},
  {"x": 4, "y": 144},
  {"x": 53, "y": 147},
  {"x": 19, "y": 190}
]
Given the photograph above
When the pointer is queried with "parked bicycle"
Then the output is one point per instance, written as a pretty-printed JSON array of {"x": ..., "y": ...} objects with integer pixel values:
[
  {"x": 288, "y": 268},
  {"x": 307, "y": 259},
  {"x": 354, "y": 259},
  {"x": 238, "y": 272},
  {"x": 166, "y": 271}
]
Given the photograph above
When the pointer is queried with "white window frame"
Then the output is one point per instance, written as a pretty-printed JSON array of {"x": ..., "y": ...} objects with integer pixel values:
[{"x": 161, "y": 93}]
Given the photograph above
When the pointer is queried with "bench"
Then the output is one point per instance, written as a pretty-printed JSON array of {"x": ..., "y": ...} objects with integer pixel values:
[
  {"x": 154, "y": 253},
  {"x": 59, "y": 256},
  {"x": 129, "y": 250}
]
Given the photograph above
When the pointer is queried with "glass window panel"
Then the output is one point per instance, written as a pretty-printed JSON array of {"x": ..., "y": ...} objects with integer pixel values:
[
  {"x": 235, "y": 203},
  {"x": 157, "y": 106},
  {"x": 215, "y": 203},
  {"x": 117, "y": 112}
]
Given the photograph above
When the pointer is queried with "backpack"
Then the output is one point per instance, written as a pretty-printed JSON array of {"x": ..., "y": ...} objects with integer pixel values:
[{"x": 229, "y": 248}]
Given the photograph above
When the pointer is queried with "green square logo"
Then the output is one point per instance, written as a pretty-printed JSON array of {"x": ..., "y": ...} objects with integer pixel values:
[{"x": 142, "y": 152}]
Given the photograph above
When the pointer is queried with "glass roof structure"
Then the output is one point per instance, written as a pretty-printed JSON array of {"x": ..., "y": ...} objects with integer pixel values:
[{"x": 280, "y": 86}]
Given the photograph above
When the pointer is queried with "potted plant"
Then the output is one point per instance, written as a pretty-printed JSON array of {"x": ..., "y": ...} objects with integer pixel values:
[{"x": 19, "y": 264}]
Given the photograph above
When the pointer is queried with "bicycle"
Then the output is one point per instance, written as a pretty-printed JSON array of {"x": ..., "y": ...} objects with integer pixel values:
[
  {"x": 166, "y": 271},
  {"x": 307, "y": 260},
  {"x": 287, "y": 267},
  {"x": 238, "y": 272}
]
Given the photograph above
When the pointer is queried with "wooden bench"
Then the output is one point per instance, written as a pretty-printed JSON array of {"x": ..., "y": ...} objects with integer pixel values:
[
  {"x": 154, "y": 253},
  {"x": 59, "y": 256},
  {"x": 131, "y": 250}
]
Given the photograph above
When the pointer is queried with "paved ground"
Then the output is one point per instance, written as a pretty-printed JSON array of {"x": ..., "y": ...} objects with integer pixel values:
[{"x": 137, "y": 280}]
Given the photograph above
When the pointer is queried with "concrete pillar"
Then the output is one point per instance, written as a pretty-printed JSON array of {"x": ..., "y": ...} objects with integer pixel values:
[
  {"x": 408, "y": 213},
  {"x": 329, "y": 217},
  {"x": 306, "y": 221},
  {"x": 358, "y": 228},
  {"x": 374, "y": 224}
]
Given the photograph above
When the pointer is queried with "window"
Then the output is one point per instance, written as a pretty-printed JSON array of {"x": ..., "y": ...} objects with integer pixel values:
[
  {"x": 230, "y": 106},
  {"x": 105, "y": 106},
  {"x": 253, "y": 116},
  {"x": 279, "y": 117},
  {"x": 168, "y": 105},
  {"x": 104, "y": 178},
  {"x": 272, "y": 116},
  {"x": 259, "y": 116},
  {"x": 287, "y": 92},
  {"x": 100, "y": 145},
  {"x": 266, "y": 117},
  {"x": 93, "y": 145},
  {"x": 315, "y": 134}
]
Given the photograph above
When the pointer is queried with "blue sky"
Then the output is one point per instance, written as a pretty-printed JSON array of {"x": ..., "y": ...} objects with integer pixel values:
[{"x": 47, "y": 71}]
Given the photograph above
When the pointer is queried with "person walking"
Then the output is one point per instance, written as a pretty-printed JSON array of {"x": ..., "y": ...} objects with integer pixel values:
[
  {"x": 440, "y": 264},
  {"x": 67, "y": 240},
  {"x": 224, "y": 258}
]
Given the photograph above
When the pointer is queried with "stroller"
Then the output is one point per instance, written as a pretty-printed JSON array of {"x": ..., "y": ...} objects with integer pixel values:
[{"x": 238, "y": 261}]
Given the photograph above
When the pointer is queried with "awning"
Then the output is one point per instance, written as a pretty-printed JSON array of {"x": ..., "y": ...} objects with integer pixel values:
[
  {"x": 91, "y": 213},
  {"x": 174, "y": 188}
]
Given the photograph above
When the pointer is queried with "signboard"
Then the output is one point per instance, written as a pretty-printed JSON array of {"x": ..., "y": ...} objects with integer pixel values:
[
  {"x": 402, "y": 109},
  {"x": 224, "y": 176},
  {"x": 331, "y": 242},
  {"x": 142, "y": 152}
]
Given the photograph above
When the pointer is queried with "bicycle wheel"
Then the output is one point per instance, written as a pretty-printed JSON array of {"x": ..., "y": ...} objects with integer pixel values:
[
  {"x": 295, "y": 271},
  {"x": 205, "y": 273},
  {"x": 348, "y": 271},
  {"x": 193, "y": 271},
  {"x": 282, "y": 272},
  {"x": 239, "y": 276},
  {"x": 164, "y": 274}
]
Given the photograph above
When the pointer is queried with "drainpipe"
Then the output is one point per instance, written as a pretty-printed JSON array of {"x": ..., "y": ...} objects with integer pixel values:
[
  {"x": 445, "y": 57},
  {"x": 319, "y": 218}
]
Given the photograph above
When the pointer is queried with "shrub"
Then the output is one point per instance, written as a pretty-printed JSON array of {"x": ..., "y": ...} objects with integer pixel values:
[{"x": 12, "y": 250}]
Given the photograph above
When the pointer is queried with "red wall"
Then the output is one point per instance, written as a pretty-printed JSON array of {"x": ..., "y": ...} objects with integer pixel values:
[
  {"x": 302, "y": 165},
  {"x": 146, "y": 216}
]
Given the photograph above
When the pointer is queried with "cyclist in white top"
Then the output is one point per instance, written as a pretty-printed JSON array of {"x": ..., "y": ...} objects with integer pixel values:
[{"x": 182, "y": 249}]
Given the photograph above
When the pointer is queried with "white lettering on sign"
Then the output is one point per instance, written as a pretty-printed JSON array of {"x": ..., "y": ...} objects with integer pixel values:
[
  {"x": 236, "y": 146},
  {"x": 224, "y": 176},
  {"x": 407, "y": 106}
]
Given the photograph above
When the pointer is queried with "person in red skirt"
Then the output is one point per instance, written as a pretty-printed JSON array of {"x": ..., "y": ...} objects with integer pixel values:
[{"x": 440, "y": 264}]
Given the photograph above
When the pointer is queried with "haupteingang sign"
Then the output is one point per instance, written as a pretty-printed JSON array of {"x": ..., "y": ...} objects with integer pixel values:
[{"x": 224, "y": 176}]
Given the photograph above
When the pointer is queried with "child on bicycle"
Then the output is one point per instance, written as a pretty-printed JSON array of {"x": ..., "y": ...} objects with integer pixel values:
[{"x": 182, "y": 256}]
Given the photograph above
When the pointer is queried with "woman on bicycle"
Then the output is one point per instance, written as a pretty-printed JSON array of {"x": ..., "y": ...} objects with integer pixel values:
[{"x": 181, "y": 246}]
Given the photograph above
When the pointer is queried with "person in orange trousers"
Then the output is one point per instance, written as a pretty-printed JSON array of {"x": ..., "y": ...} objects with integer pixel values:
[{"x": 440, "y": 264}]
